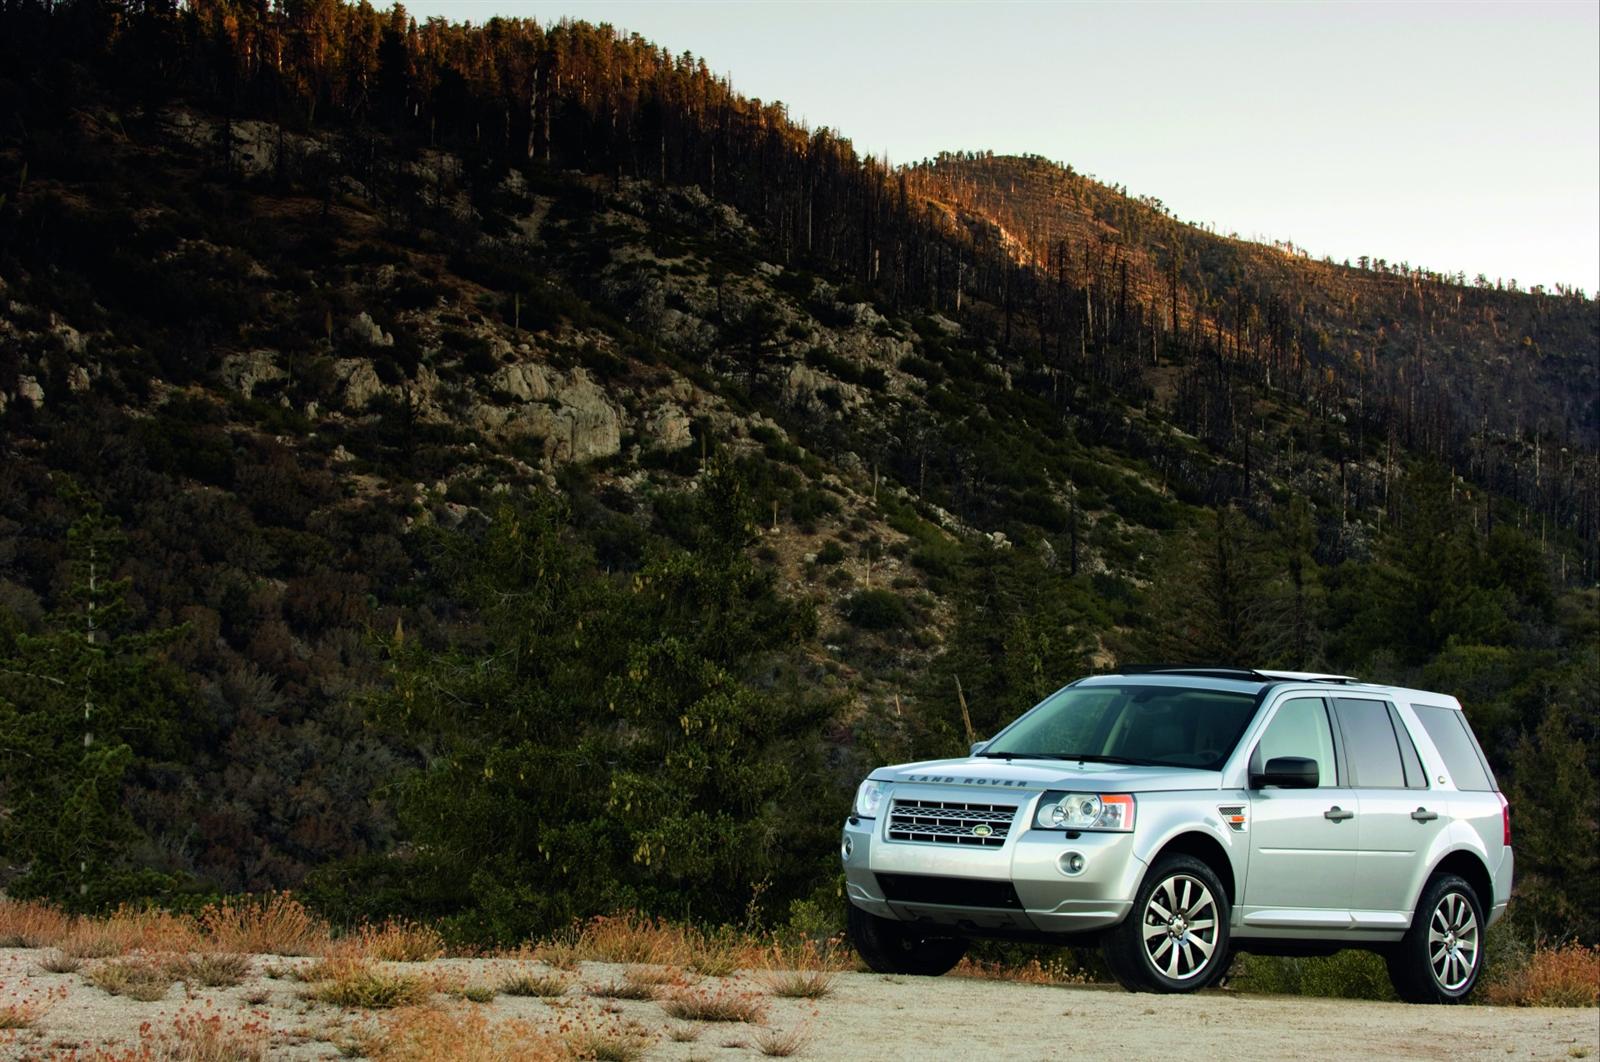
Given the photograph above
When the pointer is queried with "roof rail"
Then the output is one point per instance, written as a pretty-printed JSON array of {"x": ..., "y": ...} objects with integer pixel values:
[
  {"x": 1228, "y": 671},
  {"x": 1313, "y": 676},
  {"x": 1220, "y": 671}
]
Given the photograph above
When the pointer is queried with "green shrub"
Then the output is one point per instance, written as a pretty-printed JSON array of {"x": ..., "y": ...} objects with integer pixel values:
[{"x": 877, "y": 610}]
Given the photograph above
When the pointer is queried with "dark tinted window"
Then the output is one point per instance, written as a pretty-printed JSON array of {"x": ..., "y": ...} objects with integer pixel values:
[
  {"x": 1454, "y": 741},
  {"x": 1370, "y": 746},
  {"x": 1174, "y": 726},
  {"x": 1415, "y": 779}
]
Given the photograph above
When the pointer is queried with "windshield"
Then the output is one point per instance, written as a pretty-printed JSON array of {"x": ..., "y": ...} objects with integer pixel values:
[{"x": 1168, "y": 726}]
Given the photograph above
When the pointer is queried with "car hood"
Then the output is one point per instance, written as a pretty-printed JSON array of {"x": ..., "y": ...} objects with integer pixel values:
[{"x": 1024, "y": 774}]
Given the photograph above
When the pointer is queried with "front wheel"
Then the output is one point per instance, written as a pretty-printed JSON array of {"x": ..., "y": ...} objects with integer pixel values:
[
  {"x": 1176, "y": 937},
  {"x": 894, "y": 947},
  {"x": 1438, "y": 959}
]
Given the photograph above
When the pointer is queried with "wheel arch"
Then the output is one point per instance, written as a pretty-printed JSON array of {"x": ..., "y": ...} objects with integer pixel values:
[
  {"x": 1470, "y": 867},
  {"x": 1210, "y": 851}
]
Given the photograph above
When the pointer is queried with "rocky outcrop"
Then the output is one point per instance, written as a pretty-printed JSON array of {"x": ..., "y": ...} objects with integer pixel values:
[
  {"x": 243, "y": 372},
  {"x": 667, "y": 427},
  {"x": 524, "y": 381},
  {"x": 364, "y": 329},
  {"x": 359, "y": 380}
]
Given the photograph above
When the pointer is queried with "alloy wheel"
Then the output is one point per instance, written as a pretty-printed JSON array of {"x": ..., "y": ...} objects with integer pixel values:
[
  {"x": 1180, "y": 927},
  {"x": 1453, "y": 941}
]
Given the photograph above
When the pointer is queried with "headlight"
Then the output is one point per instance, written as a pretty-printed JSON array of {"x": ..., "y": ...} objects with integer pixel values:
[
  {"x": 1084, "y": 811},
  {"x": 869, "y": 798}
]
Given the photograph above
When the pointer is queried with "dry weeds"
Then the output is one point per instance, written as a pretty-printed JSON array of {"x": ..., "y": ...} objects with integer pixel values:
[
  {"x": 722, "y": 1003},
  {"x": 358, "y": 983},
  {"x": 775, "y": 1043},
  {"x": 1566, "y": 976},
  {"x": 430, "y": 1034},
  {"x": 144, "y": 979},
  {"x": 276, "y": 924}
]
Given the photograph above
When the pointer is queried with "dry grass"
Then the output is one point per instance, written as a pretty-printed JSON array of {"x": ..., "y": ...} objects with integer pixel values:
[
  {"x": 1566, "y": 976},
  {"x": 798, "y": 984},
  {"x": 626, "y": 1043},
  {"x": 637, "y": 940},
  {"x": 429, "y": 1034},
  {"x": 22, "y": 1010},
  {"x": 210, "y": 969},
  {"x": 58, "y": 962},
  {"x": 476, "y": 993},
  {"x": 684, "y": 1033},
  {"x": 396, "y": 941},
  {"x": 195, "y": 1037},
  {"x": 142, "y": 979},
  {"x": 529, "y": 983},
  {"x": 25, "y": 924},
  {"x": 1031, "y": 972},
  {"x": 719, "y": 1004},
  {"x": 276, "y": 924},
  {"x": 358, "y": 983},
  {"x": 623, "y": 989},
  {"x": 775, "y": 1043}
]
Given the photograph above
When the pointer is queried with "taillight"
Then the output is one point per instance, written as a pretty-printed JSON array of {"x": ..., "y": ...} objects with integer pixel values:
[{"x": 1505, "y": 818}]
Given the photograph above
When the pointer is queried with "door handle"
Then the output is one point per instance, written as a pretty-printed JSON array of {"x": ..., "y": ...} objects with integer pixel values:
[
  {"x": 1424, "y": 815},
  {"x": 1338, "y": 814}
]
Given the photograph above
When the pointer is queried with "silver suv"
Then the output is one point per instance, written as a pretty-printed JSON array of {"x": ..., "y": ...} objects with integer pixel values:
[{"x": 1180, "y": 815}]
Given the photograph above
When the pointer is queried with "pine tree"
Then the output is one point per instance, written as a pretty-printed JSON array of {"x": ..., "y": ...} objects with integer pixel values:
[{"x": 79, "y": 702}]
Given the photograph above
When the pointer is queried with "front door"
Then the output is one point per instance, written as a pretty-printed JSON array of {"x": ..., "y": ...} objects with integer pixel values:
[{"x": 1302, "y": 841}]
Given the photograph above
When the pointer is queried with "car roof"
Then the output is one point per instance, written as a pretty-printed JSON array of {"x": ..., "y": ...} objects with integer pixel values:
[{"x": 1250, "y": 680}]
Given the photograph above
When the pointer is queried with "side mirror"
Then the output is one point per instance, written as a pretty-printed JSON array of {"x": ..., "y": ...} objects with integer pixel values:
[
  {"x": 1287, "y": 772},
  {"x": 977, "y": 747}
]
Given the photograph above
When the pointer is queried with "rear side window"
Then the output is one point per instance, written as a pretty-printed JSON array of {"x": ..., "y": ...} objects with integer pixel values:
[
  {"x": 1448, "y": 729},
  {"x": 1370, "y": 745}
]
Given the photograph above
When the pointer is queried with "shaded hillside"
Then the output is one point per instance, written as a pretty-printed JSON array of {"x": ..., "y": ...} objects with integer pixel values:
[{"x": 482, "y": 417}]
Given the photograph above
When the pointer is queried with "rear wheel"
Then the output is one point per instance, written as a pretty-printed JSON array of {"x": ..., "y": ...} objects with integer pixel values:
[
  {"x": 1438, "y": 959},
  {"x": 1176, "y": 937},
  {"x": 898, "y": 948}
]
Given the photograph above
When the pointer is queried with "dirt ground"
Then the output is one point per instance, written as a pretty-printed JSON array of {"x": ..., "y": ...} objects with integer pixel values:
[{"x": 864, "y": 1016}]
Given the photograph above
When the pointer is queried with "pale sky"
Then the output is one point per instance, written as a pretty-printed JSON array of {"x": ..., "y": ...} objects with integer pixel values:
[{"x": 1457, "y": 136}]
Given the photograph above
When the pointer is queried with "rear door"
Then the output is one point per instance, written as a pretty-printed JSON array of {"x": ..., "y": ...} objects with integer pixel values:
[
  {"x": 1400, "y": 816},
  {"x": 1302, "y": 841}
]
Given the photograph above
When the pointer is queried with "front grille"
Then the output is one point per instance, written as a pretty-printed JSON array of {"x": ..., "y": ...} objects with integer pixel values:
[
  {"x": 950, "y": 892},
  {"x": 951, "y": 822}
]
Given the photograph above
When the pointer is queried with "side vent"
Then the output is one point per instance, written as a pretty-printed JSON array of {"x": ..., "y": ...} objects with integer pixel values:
[{"x": 1236, "y": 816}]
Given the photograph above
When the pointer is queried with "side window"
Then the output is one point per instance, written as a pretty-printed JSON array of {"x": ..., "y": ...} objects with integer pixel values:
[
  {"x": 1450, "y": 735},
  {"x": 1415, "y": 777},
  {"x": 1370, "y": 745},
  {"x": 1299, "y": 728}
]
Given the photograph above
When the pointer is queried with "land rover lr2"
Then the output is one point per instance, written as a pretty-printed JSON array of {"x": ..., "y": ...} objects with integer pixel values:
[{"x": 1180, "y": 815}]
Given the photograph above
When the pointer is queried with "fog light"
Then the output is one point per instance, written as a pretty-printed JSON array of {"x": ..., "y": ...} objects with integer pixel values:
[
  {"x": 1071, "y": 863},
  {"x": 845, "y": 848}
]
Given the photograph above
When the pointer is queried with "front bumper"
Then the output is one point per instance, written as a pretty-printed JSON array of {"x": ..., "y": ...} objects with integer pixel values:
[{"x": 1050, "y": 899}]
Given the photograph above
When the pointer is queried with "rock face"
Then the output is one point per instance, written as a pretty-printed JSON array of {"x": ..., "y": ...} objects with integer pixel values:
[
  {"x": 815, "y": 392},
  {"x": 594, "y": 427},
  {"x": 28, "y": 388},
  {"x": 364, "y": 329},
  {"x": 360, "y": 380},
  {"x": 243, "y": 372},
  {"x": 524, "y": 380},
  {"x": 667, "y": 427}
]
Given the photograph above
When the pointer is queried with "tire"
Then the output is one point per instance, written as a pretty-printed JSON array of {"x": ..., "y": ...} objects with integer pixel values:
[
  {"x": 1176, "y": 938},
  {"x": 1441, "y": 955},
  {"x": 894, "y": 947}
]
